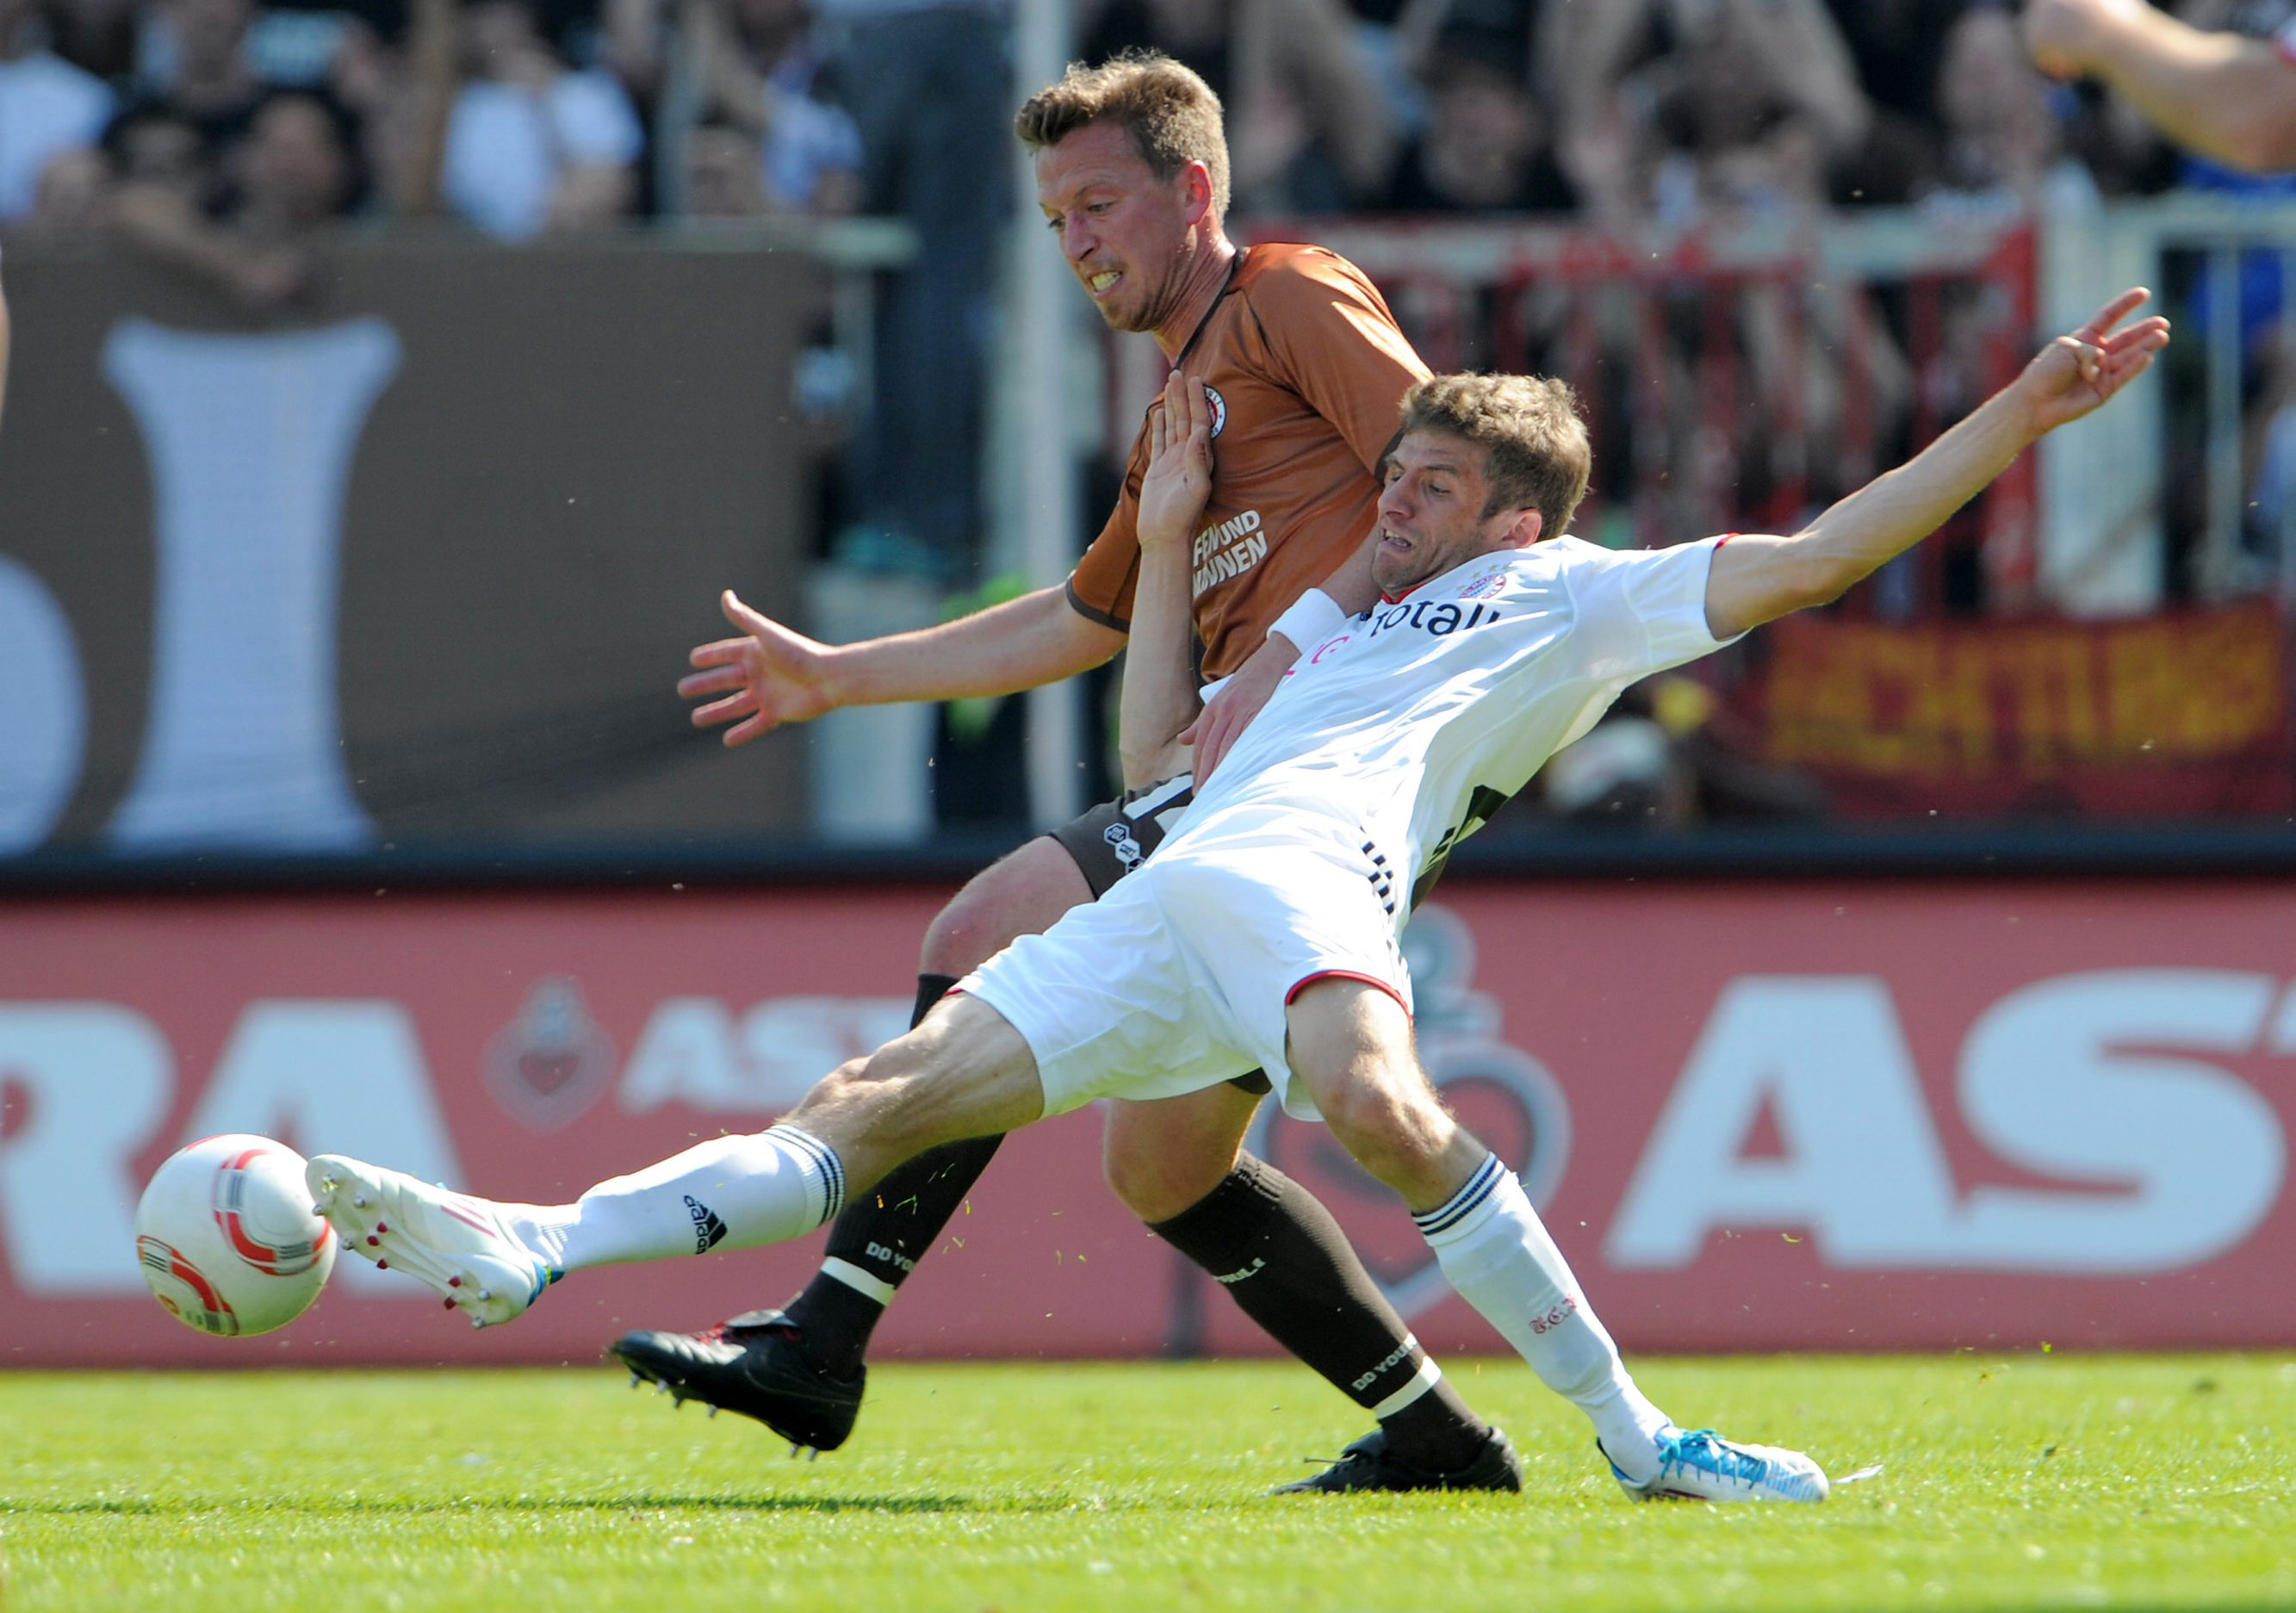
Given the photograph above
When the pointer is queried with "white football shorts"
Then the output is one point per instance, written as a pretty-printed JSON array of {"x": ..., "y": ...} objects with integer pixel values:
[{"x": 1177, "y": 979}]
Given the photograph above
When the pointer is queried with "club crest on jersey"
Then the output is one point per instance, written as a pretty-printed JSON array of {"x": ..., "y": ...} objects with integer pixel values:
[
  {"x": 1484, "y": 586},
  {"x": 1219, "y": 410}
]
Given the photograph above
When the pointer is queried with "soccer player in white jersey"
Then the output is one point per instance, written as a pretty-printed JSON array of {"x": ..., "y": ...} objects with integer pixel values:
[{"x": 1263, "y": 931}]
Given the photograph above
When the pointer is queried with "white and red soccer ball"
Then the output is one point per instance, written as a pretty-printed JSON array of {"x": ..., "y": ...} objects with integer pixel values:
[{"x": 227, "y": 1238}]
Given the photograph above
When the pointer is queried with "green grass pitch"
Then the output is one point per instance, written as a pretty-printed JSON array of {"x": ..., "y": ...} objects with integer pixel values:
[{"x": 2029, "y": 1481}]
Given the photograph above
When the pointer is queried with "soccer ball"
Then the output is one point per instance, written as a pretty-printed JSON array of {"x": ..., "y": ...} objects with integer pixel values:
[{"x": 227, "y": 1238}]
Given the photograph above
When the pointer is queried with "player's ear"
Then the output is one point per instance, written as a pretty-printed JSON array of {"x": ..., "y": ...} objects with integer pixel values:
[
  {"x": 1524, "y": 529},
  {"x": 1198, "y": 179}
]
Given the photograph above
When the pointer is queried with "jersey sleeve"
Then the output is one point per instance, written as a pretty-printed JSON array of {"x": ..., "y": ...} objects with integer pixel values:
[
  {"x": 1333, "y": 340},
  {"x": 1100, "y": 588},
  {"x": 1642, "y": 610}
]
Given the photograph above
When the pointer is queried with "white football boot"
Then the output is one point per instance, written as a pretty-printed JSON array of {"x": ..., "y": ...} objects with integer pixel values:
[
  {"x": 461, "y": 1247},
  {"x": 1701, "y": 1465}
]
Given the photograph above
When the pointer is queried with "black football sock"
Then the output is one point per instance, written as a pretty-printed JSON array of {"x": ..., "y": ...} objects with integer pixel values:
[
  {"x": 1279, "y": 1254},
  {"x": 879, "y": 1239}
]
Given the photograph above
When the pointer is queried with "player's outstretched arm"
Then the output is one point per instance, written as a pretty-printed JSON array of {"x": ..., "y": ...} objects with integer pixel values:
[
  {"x": 1756, "y": 579},
  {"x": 2221, "y": 94},
  {"x": 770, "y": 674},
  {"x": 1159, "y": 698}
]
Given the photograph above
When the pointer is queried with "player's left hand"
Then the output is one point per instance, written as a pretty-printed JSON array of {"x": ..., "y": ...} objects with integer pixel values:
[
  {"x": 1227, "y": 714},
  {"x": 2082, "y": 370},
  {"x": 1180, "y": 476}
]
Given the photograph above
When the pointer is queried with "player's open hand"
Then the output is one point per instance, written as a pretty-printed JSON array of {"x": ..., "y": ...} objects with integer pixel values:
[
  {"x": 1228, "y": 713},
  {"x": 1179, "y": 477},
  {"x": 2082, "y": 370},
  {"x": 767, "y": 678}
]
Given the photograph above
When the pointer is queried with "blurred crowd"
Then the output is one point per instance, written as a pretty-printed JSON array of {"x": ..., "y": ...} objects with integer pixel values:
[
  {"x": 222, "y": 137},
  {"x": 525, "y": 117}
]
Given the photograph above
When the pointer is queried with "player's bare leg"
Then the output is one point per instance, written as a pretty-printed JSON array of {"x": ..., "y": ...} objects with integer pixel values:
[
  {"x": 1350, "y": 1043},
  {"x": 965, "y": 1071},
  {"x": 1178, "y": 1164},
  {"x": 800, "y": 1369}
]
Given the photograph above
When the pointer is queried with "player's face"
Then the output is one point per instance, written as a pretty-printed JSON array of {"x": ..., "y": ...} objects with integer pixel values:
[
  {"x": 1125, "y": 234},
  {"x": 1431, "y": 511}
]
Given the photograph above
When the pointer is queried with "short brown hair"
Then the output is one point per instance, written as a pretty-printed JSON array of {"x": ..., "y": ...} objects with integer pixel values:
[
  {"x": 1538, "y": 455},
  {"x": 1172, "y": 115}
]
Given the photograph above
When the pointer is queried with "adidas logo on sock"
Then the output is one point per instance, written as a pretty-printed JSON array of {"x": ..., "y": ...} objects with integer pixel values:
[{"x": 709, "y": 1231}]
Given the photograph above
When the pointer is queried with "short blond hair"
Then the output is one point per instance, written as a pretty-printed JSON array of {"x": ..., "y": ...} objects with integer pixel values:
[
  {"x": 1173, "y": 116},
  {"x": 1529, "y": 428}
]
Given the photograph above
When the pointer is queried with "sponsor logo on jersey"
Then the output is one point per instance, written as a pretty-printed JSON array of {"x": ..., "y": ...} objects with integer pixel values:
[
  {"x": 1227, "y": 549},
  {"x": 1219, "y": 410},
  {"x": 1438, "y": 618}
]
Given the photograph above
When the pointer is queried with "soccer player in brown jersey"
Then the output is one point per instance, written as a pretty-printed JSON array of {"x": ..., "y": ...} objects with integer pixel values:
[{"x": 1304, "y": 367}]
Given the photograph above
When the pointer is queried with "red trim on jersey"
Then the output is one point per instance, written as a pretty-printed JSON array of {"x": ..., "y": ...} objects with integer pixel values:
[
  {"x": 1725, "y": 538},
  {"x": 1345, "y": 974}
]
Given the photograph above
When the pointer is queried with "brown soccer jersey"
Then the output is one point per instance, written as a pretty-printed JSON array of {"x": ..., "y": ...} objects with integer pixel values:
[{"x": 1307, "y": 369}]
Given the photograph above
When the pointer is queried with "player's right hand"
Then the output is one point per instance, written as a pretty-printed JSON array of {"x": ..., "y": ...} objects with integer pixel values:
[{"x": 767, "y": 678}]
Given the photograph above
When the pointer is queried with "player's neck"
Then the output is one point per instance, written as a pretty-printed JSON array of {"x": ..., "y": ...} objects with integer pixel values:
[{"x": 1206, "y": 280}]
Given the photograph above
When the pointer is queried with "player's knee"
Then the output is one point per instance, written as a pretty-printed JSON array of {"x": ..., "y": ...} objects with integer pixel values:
[
  {"x": 1157, "y": 1184},
  {"x": 1389, "y": 1131},
  {"x": 1021, "y": 895}
]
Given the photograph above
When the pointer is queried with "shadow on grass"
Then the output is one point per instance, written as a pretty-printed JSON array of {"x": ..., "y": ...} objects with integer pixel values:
[{"x": 191, "y": 1506}]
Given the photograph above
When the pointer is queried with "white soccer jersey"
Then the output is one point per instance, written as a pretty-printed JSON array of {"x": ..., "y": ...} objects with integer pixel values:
[
  {"x": 1300, "y": 859},
  {"x": 1418, "y": 720},
  {"x": 1302, "y": 854}
]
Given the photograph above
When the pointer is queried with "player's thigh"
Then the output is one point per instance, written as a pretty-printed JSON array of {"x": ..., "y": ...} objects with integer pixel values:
[
  {"x": 1163, "y": 1155},
  {"x": 964, "y": 1072},
  {"x": 1020, "y": 894},
  {"x": 1026, "y": 892}
]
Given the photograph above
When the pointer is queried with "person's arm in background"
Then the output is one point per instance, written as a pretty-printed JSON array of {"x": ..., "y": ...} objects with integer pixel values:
[
  {"x": 2224, "y": 95},
  {"x": 1755, "y": 578},
  {"x": 434, "y": 50},
  {"x": 1811, "y": 67},
  {"x": 4, "y": 352},
  {"x": 772, "y": 675}
]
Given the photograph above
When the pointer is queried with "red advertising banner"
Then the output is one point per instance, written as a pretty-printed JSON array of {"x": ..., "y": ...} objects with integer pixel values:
[
  {"x": 1844, "y": 1114},
  {"x": 2181, "y": 714}
]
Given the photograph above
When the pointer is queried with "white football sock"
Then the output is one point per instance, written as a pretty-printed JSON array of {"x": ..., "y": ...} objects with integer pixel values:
[
  {"x": 730, "y": 1192},
  {"x": 1496, "y": 1252}
]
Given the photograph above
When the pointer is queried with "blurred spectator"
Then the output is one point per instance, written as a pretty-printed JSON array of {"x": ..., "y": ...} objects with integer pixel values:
[
  {"x": 207, "y": 82},
  {"x": 926, "y": 84},
  {"x": 760, "y": 75},
  {"x": 723, "y": 178},
  {"x": 98, "y": 36},
  {"x": 295, "y": 169},
  {"x": 532, "y": 144},
  {"x": 1484, "y": 148},
  {"x": 153, "y": 144},
  {"x": 1687, "y": 108},
  {"x": 1309, "y": 128},
  {"x": 47, "y": 106},
  {"x": 74, "y": 195},
  {"x": 2002, "y": 145}
]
